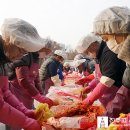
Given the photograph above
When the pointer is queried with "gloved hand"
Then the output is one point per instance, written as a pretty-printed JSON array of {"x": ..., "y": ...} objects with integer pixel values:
[
  {"x": 30, "y": 113},
  {"x": 91, "y": 86},
  {"x": 31, "y": 124},
  {"x": 13, "y": 101},
  {"x": 87, "y": 90},
  {"x": 96, "y": 93},
  {"x": 85, "y": 105},
  {"x": 43, "y": 99},
  {"x": 93, "y": 83},
  {"x": 85, "y": 80},
  {"x": 62, "y": 83},
  {"x": 15, "y": 118}
]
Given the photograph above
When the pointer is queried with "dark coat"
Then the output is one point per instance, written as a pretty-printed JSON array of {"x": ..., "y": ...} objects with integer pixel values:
[{"x": 110, "y": 65}]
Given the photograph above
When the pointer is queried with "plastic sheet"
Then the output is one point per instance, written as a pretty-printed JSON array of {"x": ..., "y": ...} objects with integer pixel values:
[
  {"x": 72, "y": 78},
  {"x": 65, "y": 94}
]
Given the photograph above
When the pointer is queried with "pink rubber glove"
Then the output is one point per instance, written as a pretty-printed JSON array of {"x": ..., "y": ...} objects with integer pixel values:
[
  {"x": 91, "y": 86},
  {"x": 13, "y": 101},
  {"x": 93, "y": 83},
  {"x": 43, "y": 99},
  {"x": 30, "y": 113},
  {"x": 31, "y": 124},
  {"x": 98, "y": 91},
  {"x": 13, "y": 117}
]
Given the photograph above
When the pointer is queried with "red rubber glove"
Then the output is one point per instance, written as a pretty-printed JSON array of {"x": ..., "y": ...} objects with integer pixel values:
[
  {"x": 43, "y": 99},
  {"x": 85, "y": 80}
]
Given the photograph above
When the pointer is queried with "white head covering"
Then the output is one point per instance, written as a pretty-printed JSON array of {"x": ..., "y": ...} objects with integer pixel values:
[
  {"x": 22, "y": 34},
  {"x": 61, "y": 53},
  {"x": 87, "y": 41},
  {"x": 77, "y": 63},
  {"x": 78, "y": 60},
  {"x": 66, "y": 64},
  {"x": 113, "y": 20},
  {"x": 78, "y": 57}
]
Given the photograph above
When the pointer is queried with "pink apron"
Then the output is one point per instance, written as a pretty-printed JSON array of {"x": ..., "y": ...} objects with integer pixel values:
[
  {"x": 48, "y": 83},
  {"x": 121, "y": 103}
]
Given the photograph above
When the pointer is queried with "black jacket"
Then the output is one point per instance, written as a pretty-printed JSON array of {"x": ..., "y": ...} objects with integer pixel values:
[
  {"x": 110, "y": 65},
  {"x": 26, "y": 60}
]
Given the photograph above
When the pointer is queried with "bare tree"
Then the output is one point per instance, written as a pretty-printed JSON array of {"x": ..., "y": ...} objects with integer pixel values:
[{"x": 71, "y": 53}]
